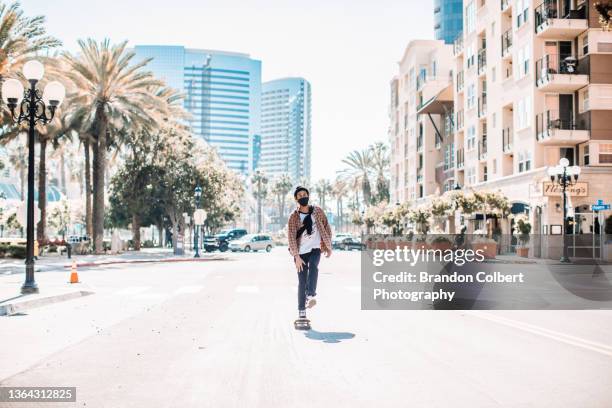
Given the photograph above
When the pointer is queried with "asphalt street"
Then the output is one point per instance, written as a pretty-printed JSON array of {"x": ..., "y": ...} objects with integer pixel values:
[{"x": 220, "y": 334}]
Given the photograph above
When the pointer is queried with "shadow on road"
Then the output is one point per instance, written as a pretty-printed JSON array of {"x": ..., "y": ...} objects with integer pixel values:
[{"x": 329, "y": 337}]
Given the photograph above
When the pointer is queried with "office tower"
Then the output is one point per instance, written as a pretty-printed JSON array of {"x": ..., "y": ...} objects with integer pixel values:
[
  {"x": 286, "y": 128},
  {"x": 448, "y": 19},
  {"x": 222, "y": 93}
]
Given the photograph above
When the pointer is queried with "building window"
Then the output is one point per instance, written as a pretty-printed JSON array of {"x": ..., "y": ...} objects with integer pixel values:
[
  {"x": 522, "y": 68},
  {"x": 471, "y": 175},
  {"x": 523, "y": 112},
  {"x": 471, "y": 96},
  {"x": 524, "y": 161},
  {"x": 522, "y": 7},
  {"x": 470, "y": 55},
  {"x": 471, "y": 137},
  {"x": 585, "y": 100},
  {"x": 493, "y": 74},
  {"x": 470, "y": 17},
  {"x": 585, "y": 44},
  {"x": 605, "y": 153},
  {"x": 585, "y": 156},
  {"x": 494, "y": 166}
]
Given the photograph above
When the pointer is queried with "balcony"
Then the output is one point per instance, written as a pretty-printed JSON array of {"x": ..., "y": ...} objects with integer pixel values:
[
  {"x": 482, "y": 61},
  {"x": 507, "y": 140},
  {"x": 460, "y": 82},
  {"x": 482, "y": 106},
  {"x": 460, "y": 159},
  {"x": 458, "y": 45},
  {"x": 556, "y": 73},
  {"x": 482, "y": 149},
  {"x": 552, "y": 21},
  {"x": 554, "y": 129},
  {"x": 506, "y": 44}
]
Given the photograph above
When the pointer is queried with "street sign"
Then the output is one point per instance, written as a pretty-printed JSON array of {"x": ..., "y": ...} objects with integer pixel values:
[
  {"x": 600, "y": 206},
  {"x": 199, "y": 216}
]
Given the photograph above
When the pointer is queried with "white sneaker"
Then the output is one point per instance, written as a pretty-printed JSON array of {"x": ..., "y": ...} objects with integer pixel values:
[{"x": 310, "y": 301}]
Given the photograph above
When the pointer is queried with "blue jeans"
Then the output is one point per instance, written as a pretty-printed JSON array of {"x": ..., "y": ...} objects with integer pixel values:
[{"x": 307, "y": 279}]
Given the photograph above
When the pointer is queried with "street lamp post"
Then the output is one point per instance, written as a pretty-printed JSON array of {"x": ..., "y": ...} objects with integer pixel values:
[
  {"x": 198, "y": 195},
  {"x": 32, "y": 108},
  {"x": 565, "y": 176}
]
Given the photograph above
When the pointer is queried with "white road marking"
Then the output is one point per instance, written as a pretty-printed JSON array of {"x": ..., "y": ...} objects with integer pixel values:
[
  {"x": 188, "y": 289},
  {"x": 133, "y": 290},
  {"x": 551, "y": 334},
  {"x": 152, "y": 296},
  {"x": 247, "y": 289}
]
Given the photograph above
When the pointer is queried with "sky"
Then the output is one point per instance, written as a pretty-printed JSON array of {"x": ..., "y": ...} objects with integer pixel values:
[{"x": 347, "y": 49}]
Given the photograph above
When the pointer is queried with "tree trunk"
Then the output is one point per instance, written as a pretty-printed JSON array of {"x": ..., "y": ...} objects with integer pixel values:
[
  {"x": 42, "y": 191},
  {"x": 259, "y": 215},
  {"x": 63, "y": 172},
  {"x": 22, "y": 180},
  {"x": 160, "y": 232},
  {"x": 136, "y": 232},
  {"x": 99, "y": 175},
  {"x": 88, "y": 210}
]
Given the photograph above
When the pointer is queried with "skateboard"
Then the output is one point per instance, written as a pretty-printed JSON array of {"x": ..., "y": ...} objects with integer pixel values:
[{"x": 302, "y": 324}]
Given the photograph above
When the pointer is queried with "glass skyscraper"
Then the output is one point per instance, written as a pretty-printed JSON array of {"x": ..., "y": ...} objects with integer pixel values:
[
  {"x": 222, "y": 93},
  {"x": 285, "y": 128},
  {"x": 448, "y": 19}
]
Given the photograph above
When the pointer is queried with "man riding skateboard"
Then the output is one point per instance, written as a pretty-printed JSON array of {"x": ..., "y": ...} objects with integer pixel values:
[{"x": 309, "y": 234}]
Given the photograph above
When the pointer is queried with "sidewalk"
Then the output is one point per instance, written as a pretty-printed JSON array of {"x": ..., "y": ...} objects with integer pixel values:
[{"x": 56, "y": 262}]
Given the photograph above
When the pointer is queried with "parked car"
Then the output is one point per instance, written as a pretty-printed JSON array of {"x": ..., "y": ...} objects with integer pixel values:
[
  {"x": 221, "y": 240},
  {"x": 348, "y": 244},
  {"x": 252, "y": 242},
  {"x": 75, "y": 239},
  {"x": 340, "y": 236}
]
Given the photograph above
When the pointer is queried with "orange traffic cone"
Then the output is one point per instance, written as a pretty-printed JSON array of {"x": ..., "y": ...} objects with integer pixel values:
[{"x": 74, "y": 276}]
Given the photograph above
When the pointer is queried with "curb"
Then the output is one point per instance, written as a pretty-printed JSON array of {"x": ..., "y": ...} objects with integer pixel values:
[
  {"x": 140, "y": 261},
  {"x": 12, "y": 308}
]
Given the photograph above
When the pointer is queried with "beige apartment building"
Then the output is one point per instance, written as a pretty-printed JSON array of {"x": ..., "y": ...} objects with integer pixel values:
[
  {"x": 421, "y": 117},
  {"x": 531, "y": 84}
]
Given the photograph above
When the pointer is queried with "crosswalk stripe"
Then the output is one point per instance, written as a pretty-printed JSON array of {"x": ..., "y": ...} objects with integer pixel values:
[
  {"x": 247, "y": 289},
  {"x": 188, "y": 289},
  {"x": 133, "y": 290}
]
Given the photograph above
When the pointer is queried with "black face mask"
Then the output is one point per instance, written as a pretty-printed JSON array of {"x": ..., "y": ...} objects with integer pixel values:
[{"x": 303, "y": 201}]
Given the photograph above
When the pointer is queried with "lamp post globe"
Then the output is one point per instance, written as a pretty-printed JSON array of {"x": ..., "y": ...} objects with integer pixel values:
[{"x": 33, "y": 70}]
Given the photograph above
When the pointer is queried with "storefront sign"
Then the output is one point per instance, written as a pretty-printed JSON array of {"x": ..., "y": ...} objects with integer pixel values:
[{"x": 575, "y": 190}]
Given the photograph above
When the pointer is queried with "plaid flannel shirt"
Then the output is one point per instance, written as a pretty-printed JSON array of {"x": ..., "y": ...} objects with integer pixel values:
[{"x": 323, "y": 227}]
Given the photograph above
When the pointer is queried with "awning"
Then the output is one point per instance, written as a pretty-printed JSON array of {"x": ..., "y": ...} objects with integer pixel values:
[{"x": 439, "y": 104}]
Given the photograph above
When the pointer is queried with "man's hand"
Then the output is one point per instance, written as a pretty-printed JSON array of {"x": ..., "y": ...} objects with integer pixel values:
[
  {"x": 328, "y": 253},
  {"x": 299, "y": 263}
]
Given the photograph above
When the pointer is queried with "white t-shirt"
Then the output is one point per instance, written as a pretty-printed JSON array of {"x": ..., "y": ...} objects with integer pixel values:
[{"x": 312, "y": 241}]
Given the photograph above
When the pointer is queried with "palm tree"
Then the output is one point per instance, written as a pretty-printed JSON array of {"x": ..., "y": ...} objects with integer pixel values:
[
  {"x": 20, "y": 37},
  {"x": 259, "y": 182},
  {"x": 360, "y": 165},
  {"x": 323, "y": 188},
  {"x": 381, "y": 161},
  {"x": 111, "y": 89},
  {"x": 55, "y": 133},
  {"x": 281, "y": 186},
  {"x": 18, "y": 159},
  {"x": 339, "y": 190}
]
